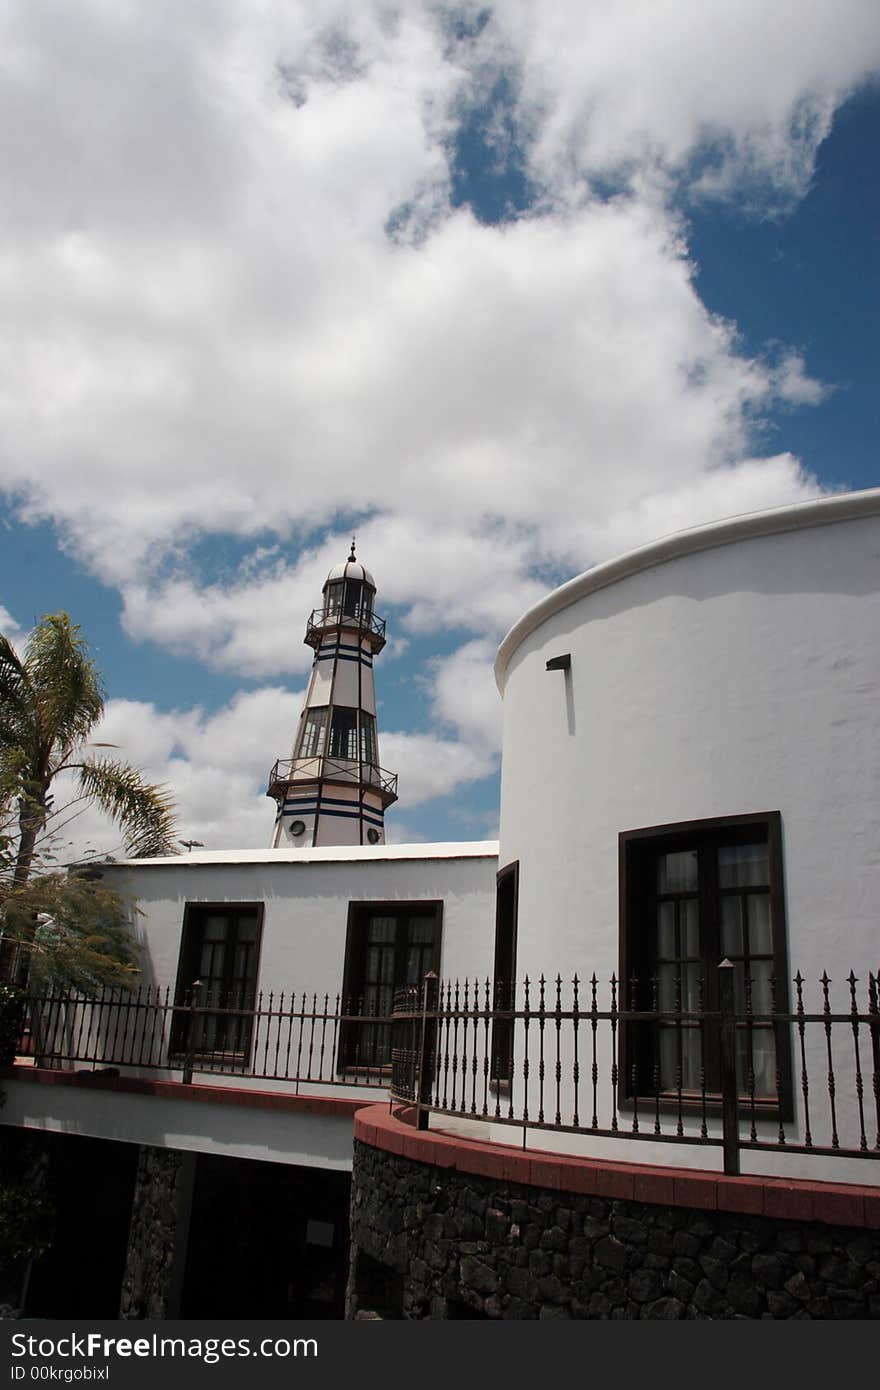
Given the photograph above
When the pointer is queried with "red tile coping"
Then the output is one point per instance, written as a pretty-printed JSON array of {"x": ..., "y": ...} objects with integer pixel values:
[
  {"x": 177, "y": 1090},
  {"x": 793, "y": 1199}
]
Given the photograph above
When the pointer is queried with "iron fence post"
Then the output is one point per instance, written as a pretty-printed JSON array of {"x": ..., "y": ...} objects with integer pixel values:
[
  {"x": 727, "y": 1042},
  {"x": 874, "y": 1028},
  {"x": 427, "y": 1050},
  {"x": 190, "y": 1036}
]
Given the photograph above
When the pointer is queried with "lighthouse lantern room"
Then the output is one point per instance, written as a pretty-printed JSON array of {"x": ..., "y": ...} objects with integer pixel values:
[{"x": 332, "y": 791}]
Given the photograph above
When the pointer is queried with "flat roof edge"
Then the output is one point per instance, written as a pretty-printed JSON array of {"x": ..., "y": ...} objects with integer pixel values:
[
  {"x": 820, "y": 511},
  {"x": 327, "y": 854}
]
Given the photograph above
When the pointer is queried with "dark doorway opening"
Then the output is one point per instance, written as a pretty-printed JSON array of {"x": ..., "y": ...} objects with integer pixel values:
[
  {"x": 91, "y": 1185},
  {"x": 266, "y": 1240}
]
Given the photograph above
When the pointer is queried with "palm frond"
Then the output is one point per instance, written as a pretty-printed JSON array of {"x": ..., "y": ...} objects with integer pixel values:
[
  {"x": 67, "y": 690},
  {"x": 16, "y": 698},
  {"x": 143, "y": 811}
]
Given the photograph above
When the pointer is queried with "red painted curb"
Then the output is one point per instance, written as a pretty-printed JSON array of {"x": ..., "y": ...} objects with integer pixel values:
[
  {"x": 176, "y": 1090},
  {"x": 797, "y": 1199}
]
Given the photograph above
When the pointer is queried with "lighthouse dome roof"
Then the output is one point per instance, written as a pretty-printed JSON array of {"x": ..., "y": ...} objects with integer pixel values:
[{"x": 351, "y": 569}]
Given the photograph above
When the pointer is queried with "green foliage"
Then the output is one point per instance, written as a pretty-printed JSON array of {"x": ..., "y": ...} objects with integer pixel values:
[
  {"x": 145, "y": 812},
  {"x": 51, "y": 699},
  {"x": 26, "y": 1222},
  {"x": 74, "y": 931},
  {"x": 82, "y": 938},
  {"x": 12, "y": 1000}
]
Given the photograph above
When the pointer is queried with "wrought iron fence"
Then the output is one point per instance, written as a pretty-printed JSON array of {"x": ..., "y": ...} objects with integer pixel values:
[
  {"x": 745, "y": 1074},
  {"x": 291, "y": 1036}
]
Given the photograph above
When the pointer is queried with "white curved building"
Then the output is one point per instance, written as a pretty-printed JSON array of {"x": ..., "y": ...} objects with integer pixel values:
[{"x": 691, "y": 772}]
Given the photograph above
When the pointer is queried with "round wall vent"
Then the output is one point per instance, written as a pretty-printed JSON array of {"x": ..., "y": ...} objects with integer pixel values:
[
  {"x": 297, "y": 827},
  {"x": 373, "y": 835}
]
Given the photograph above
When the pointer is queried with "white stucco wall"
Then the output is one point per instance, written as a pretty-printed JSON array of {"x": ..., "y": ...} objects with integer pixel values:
[
  {"x": 739, "y": 678},
  {"x": 306, "y": 896},
  {"x": 313, "y": 1140},
  {"x": 731, "y": 670}
]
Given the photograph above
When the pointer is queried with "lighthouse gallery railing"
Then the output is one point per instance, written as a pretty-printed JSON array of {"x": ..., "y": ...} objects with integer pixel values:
[{"x": 332, "y": 769}]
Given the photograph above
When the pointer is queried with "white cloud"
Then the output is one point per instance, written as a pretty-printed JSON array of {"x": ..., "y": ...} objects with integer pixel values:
[
  {"x": 237, "y": 301},
  {"x": 216, "y": 765},
  {"x": 793, "y": 384},
  {"x": 209, "y": 331},
  {"x": 11, "y": 629},
  {"x": 465, "y": 695},
  {"x": 430, "y": 766},
  {"x": 752, "y": 84},
  {"x": 254, "y": 624}
]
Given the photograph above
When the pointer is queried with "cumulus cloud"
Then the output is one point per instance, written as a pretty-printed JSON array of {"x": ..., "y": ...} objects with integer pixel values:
[
  {"x": 431, "y": 765},
  {"x": 792, "y": 383},
  {"x": 217, "y": 766},
  {"x": 465, "y": 696},
  {"x": 252, "y": 623},
  {"x": 211, "y": 330},
  {"x": 10, "y": 628},
  {"x": 725, "y": 95},
  {"x": 239, "y": 301}
]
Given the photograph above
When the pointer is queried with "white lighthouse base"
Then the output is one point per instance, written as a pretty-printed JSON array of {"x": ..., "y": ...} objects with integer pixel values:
[{"x": 328, "y": 814}]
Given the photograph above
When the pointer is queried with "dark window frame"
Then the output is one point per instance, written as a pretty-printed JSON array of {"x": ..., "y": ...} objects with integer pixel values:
[
  {"x": 368, "y": 743},
  {"x": 706, "y": 835},
  {"x": 504, "y": 970},
  {"x": 359, "y": 913},
  {"x": 342, "y": 737},
  {"x": 313, "y": 738},
  {"x": 191, "y": 943},
  {"x": 348, "y": 598}
]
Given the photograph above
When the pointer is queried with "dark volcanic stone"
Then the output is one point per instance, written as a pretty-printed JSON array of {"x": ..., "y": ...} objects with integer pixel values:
[
  {"x": 768, "y": 1270},
  {"x": 611, "y": 1253},
  {"x": 665, "y": 1308}
]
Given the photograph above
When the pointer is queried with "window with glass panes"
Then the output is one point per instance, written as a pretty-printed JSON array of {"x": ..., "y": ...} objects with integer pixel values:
[
  {"x": 218, "y": 966},
  {"x": 368, "y": 740},
  {"x": 343, "y": 734},
  {"x": 694, "y": 895},
  {"x": 314, "y": 733},
  {"x": 349, "y": 597},
  {"x": 389, "y": 945},
  {"x": 333, "y": 597}
]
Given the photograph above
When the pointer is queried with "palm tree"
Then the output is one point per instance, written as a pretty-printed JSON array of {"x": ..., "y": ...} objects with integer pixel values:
[{"x": 50, "y": 701}]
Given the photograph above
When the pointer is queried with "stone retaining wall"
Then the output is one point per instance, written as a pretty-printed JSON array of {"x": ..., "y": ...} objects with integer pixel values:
[
  {"x": 435, "y": 1242},
  {"x": 157, "y": 1234}
]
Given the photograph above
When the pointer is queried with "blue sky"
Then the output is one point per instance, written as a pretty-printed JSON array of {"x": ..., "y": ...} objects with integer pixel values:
[{"x": 505, "y": 290}]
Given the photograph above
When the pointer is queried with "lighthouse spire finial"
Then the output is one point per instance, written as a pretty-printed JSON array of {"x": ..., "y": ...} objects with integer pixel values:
[{"x": 352, "y": 555}]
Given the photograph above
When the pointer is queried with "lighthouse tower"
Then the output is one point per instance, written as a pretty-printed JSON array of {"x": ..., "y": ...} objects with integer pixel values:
[{"x": 332, "y": 791}]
